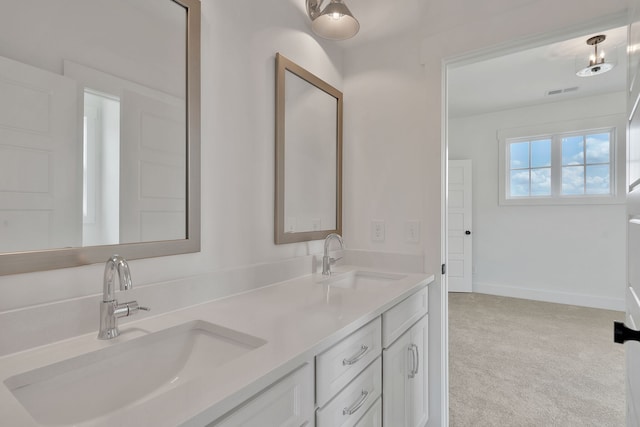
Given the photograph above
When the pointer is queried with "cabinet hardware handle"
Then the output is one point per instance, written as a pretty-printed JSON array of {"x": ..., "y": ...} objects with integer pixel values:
[
  {"x": 354, "y": 408},
  {"x": 415, "y": 360},
  {"x": 359, "y": 355},
  {"x": 413, "y": 371}
]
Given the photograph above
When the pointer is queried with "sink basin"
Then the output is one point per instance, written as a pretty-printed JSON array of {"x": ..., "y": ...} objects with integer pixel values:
[
  {"x": 362, "y": 279},
  {"x": 95, "y": 384}
]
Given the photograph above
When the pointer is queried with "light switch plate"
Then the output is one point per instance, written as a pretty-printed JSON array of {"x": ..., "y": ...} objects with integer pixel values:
[
  {"x": 377, "y": 231},
  {"x": 412, "y": 231}
]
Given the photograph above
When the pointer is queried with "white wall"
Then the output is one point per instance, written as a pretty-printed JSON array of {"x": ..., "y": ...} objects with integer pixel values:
[{"x": 572, "y": 254}]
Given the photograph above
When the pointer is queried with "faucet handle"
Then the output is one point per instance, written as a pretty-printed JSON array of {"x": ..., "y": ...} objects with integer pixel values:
[
  {"x": 129, "y": 308},
  {"x": 134, "y": 307},
  {"x": 334, "y": 260}
]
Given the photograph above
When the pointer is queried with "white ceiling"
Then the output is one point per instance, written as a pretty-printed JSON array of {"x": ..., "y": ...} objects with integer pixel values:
[
  {"x": 525, "y": 77},
  {"x": 380, "y": 19},
  {"x": 517, "y": 79}
]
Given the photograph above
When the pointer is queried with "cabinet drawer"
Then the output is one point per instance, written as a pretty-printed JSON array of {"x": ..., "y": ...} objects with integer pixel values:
[
  {"x": 345, "y": 360},
  {"x": 399, "y": 318},
  {"x": 354, "y": 400},
  {"x": 289, "y": 402},
  {"x": 373, "y": 417}
]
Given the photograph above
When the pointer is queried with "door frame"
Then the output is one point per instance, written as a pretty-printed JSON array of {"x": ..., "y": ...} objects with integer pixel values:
[{"x": 451, "y": 62}]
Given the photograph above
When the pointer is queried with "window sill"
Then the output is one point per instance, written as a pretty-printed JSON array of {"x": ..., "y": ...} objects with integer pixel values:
[{"x": 565, "y": 200}]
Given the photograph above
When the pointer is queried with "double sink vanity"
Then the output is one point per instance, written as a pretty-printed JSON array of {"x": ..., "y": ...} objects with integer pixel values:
[{"x": 315, "y": 350}]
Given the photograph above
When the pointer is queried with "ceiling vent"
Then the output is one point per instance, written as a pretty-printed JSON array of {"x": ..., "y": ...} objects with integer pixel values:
[{"x": 560, "y": 91}]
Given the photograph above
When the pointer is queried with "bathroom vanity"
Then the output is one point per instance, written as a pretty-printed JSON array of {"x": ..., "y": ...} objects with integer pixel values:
[{"x": 315, "y": 350}]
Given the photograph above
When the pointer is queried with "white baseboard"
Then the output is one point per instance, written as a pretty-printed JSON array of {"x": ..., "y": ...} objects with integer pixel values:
[{"x": 582, "y": 300}]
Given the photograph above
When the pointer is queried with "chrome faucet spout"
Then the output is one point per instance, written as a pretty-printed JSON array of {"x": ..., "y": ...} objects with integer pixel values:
[
  {"x": 115, "y": 264},
  {"x": 110, "y": 310},
  {"x": 326, "y": 260}
]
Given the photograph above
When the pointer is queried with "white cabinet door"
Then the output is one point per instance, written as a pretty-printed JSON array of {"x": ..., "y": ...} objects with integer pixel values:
[
  {"x": 405, "y": 397},
  {"x": 287, "y": 403},
  {"x": 396, "y": 362},
  {"x": 419, "y": 384}
]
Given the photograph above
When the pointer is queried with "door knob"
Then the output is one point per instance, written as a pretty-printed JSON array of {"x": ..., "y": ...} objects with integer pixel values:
[
  {"x": 467, "y": 232},
  {"x": 621, "y": 333}
]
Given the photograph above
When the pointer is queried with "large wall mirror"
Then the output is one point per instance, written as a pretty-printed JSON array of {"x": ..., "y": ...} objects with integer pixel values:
[
  {"x": 99, "y": 131},
  {"x": 308, "y": 155}
]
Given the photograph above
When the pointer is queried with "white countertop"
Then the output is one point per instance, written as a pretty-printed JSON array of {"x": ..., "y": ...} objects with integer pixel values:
[{"x": 298, "y": 318}]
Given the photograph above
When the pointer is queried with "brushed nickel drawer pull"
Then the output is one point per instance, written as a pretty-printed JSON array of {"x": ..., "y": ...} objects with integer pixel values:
[
  {"x": 354, "y": 408},
  {"x": 414, "y": 369},
  {"x": 359, "y": 355}
]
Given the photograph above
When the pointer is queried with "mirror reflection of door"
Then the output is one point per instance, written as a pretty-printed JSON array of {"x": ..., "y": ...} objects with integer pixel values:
[
  {"x": 60, "y": 142},
  {"x": 40, "y": 199},
  {"x": 153, "y": 170},
  {"x": 135, "y": 164}
]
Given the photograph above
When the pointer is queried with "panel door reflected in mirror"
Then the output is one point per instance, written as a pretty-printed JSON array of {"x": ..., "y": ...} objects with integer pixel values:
[
  {"x": 93, "y": 139},
  {"x": 310, "y": 157}
]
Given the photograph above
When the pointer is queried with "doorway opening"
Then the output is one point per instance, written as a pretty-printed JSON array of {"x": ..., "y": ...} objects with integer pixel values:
[{"x": 554, "y": 243}]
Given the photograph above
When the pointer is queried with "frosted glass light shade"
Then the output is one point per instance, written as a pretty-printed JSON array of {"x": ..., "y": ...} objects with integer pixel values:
[
  {"x": 595, "y": 69},
  {"x": 336, "y": 22}
]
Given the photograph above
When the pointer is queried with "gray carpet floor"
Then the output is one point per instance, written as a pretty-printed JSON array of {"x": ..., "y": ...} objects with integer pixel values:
[{"x": 515, "y": 362}]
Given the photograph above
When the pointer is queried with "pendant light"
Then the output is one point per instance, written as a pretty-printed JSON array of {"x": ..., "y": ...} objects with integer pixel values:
[
  {"x": 597, "y": 64},
  {"x": 334, "y": 22}
]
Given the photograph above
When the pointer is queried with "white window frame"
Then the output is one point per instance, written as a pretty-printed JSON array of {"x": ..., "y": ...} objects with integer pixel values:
[{"x": 555, "y": 132}]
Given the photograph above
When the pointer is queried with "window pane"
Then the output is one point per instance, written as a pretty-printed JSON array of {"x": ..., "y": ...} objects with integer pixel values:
[
  {"x": 541, "y": 153},
  {"x": 572, "y": 151},
  {"x": 519, "y": 153},
  {"x": 598, "y": 148},
  {"x": 598, "y": 179},
  {"x": 541, "y": 182},
  {"x": 573, "y": 180},
  {"x": 519, "y": 183}
]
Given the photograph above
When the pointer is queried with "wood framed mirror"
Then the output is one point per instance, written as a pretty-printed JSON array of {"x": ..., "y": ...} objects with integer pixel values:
[{"x": 308, "y": 196}]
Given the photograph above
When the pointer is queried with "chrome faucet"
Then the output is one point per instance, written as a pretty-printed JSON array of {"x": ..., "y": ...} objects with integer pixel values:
[
  {"x": 110, "y": 310},
  {"x": 326, "y": 261}
]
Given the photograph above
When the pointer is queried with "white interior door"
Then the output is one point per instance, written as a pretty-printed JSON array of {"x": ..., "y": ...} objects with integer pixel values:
[
  {"x": 153, "y": 175},
  {"x": 40, "y": 158},
  {"x": 632, "y": 346},
  {"x": 459, "y": 256}
]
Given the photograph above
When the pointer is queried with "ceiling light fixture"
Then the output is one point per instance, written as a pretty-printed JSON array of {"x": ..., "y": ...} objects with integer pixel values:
[
  {"x": 334, "y": 22},
  {"x": 597, "y": 65}
]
